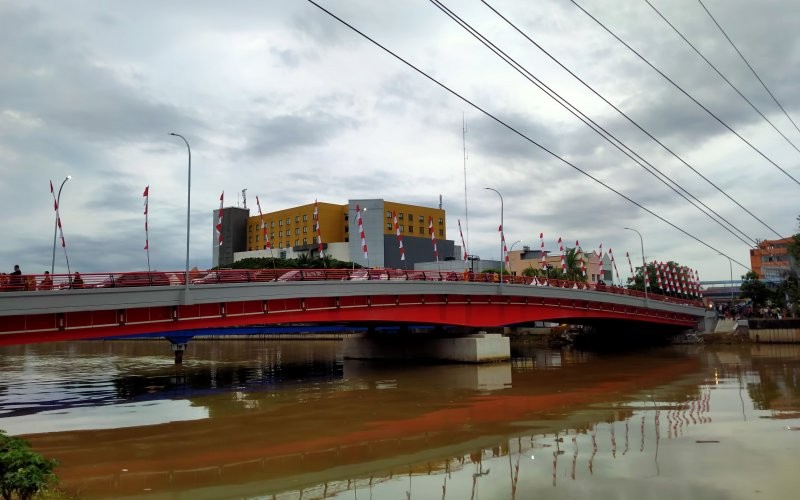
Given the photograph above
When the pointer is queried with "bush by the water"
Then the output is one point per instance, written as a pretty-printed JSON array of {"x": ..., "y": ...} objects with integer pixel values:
[{"x": 23, "y": 472}]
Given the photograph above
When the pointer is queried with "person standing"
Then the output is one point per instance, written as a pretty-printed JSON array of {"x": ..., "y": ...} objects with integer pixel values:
[
  {"x": 15, "y": 279},
  {"x": 47, "y": 282},
  {"x": 77, "y": 281}
]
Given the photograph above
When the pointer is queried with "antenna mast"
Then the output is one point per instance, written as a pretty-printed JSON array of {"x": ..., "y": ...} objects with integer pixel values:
[
  {"x": 244, "y": 198},
  {"x": 464, "y": 143}
]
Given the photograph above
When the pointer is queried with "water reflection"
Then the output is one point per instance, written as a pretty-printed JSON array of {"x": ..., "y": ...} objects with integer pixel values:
[{"x": 292, "y": 420}]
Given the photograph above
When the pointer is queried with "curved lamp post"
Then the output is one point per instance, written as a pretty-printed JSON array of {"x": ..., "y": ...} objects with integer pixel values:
[
  {"x": 730, "y": 265},
  {"x": 501, "y": 236},
  {"x": 188, "y": 206},
  {"x": 644, "y": 264},
  {"x": 55, "y": 229}
]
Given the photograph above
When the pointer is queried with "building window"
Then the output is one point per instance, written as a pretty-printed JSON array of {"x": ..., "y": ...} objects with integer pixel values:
[
  {"x": 388, "y": 215},
  {"x": 288, "y": 221},
  {"x": 256, "y": 238},
  {"x": 280, "y": 245},
  {"x": 296, "y": 231},
  {"x": 441, "y": 221},
  {"x": 346, "y": 229},
  {"x": 400, "y": 216},
  {"x": 296, "y": 243},
  {"x": 250, "y": 228},
  {"x": 280, "y": 234},
  {"x": 441, "y": 233},
  {"x": 305, "y": 241},
  {"x": 272, "y": 224},
  {"x": 280, "y": 223},
  {"x": 305, "y": 229},
  {"x": 422, "y": 218},
  {"x": 288, "y": 244},
  {"x": 305, "y": 218},
  {"x": 402, "y": 228},
  {"x": 411, "y": 229},
  {"x": 410, "y": 217},
  {"x": 249, "y": 239},
  {"x": 389, "y": 226},
  {"x": 297, "y": 218},
  {"x": 422, "y": 230}
]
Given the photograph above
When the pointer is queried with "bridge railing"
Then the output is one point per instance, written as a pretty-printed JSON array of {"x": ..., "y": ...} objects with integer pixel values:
[{"x": 177, "y": 278}]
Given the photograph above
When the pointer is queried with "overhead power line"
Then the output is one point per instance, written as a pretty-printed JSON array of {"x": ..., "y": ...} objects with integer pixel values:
[
  {"x": 633, "y": 122},
  {"x": 597, "y": 128},
  {"x": 684, "y": 92},
  {"x": 721, "y": 75},
  {"x": 749, "y": 66},
  {"x": 515, "y": 131}
]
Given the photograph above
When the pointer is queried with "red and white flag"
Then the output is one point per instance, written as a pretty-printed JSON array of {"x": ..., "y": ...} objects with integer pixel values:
[
  {"x": 628, "y": 256},
  {"x": 544, "y": 259},
  {"x": 267, "y": 244},
  {"x": 463, "y": 245},
  {"x": 361, "y": 232},
  {"x": 433, "y": 238},
  {"x": 399, "y": 236},
  {"x": 503, "y": 245},
  {"x": 146, "y": 196},
  {"x": 563, "y": 262},
  {"x": 319, "y": 231},
  {"x": 659, "y": 282},
  {"x": 58, "y": 217},
  {"x": 600, "y": 263},
  {"x": 614, "y": 263},
  {"x": 219, "y": 220},
  {"x": 580, "y": 257}
]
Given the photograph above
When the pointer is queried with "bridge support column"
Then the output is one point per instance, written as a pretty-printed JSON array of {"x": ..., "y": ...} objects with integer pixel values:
[
  {"x": 482, "y": 347},
  {"x": 178, "y": 347}
]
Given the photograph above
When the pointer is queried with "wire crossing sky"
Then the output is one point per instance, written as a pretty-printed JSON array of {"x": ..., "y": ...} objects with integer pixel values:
[{"x": 277, "y": 99}]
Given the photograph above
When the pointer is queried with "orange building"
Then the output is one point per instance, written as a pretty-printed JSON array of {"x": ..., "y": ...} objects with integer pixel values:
[{"x": 770, "y": 259}]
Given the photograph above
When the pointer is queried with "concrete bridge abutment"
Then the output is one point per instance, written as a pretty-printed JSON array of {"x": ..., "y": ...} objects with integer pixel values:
[{"x": 481, "y": 347}]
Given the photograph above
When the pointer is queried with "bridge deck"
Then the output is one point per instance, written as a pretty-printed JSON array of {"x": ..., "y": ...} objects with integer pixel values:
[{"x": 317, "y": 296}]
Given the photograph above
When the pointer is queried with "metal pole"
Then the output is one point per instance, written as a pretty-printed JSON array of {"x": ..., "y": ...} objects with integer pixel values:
[
  {"x": 502, "y": 232},
  {"x": 644, "y": 264},
  {"x": 730, "y": 266},
  {"x": 188, "y": 207},
  {"x": 55, "y": 228}
]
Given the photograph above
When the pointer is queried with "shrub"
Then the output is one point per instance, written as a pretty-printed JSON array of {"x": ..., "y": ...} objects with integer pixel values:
[{"x": 23, "y": 472}]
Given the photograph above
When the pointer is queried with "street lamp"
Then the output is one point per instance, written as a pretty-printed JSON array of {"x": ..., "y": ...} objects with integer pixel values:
[
  {"x": 644, "y": 264},
  {"x": 55, "y": 229},
  {"x": 188, "y": 207},
  {"x": 730, "y": 265},
  {"x": 501, "y": 236}
]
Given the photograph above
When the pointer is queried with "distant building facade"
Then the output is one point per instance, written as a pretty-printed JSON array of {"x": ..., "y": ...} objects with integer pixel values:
[
  {"x": 292, "y": 232},
  {"x": 597, "y": 268},
  {"x": 770, "y": 260}
]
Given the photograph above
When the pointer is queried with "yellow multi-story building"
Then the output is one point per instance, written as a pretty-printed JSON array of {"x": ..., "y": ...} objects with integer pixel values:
[{"x": 292, "y": 231}]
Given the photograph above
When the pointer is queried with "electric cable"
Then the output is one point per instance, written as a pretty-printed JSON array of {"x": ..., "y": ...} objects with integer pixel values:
[
  {"x": 515, "y": 131},
  {"x": 684, "y": 92},
  {"x": 631, "y": 120},
  {"x": 630, "y": 153}
]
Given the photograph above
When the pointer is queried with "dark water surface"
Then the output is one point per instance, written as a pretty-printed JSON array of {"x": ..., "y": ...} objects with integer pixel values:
[{"x": 292, "y": 419}]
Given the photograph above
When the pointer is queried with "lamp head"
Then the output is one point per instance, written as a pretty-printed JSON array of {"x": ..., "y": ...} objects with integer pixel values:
[{"x": 69, "y": 177}]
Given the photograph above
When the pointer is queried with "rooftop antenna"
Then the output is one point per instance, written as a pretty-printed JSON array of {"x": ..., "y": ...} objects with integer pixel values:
[
  {"x": 244, "y": 198},
  {"x": 440, "y": 201},
  {"x": 464, "y": 143}
]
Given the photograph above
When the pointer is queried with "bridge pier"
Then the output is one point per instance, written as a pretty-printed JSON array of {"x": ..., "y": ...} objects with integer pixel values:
[
  {"x": 178, "y": 347},
  {"x": 481, "y": 347}
]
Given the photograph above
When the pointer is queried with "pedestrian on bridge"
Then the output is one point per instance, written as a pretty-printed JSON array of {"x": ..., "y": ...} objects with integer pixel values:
[
  {"x": 47, "y": 282},
  {"x": 15, "y": 279}
]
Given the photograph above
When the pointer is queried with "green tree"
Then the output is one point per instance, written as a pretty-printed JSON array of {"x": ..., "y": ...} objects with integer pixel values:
[
  {"x": 787, "y": 295},
  {"x": 755, "y": 290},
  {"x": 23, "y": 472}
]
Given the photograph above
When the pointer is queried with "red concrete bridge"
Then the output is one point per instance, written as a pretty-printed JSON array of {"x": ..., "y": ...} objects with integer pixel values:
[{"x": 108, "y": 305}]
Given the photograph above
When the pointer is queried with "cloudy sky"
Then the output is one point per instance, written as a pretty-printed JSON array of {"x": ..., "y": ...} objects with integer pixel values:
[{"x": 279, "y": 98}]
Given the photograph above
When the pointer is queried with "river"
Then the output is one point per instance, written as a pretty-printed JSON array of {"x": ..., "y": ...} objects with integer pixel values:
[{"x": 290, "y": 419}]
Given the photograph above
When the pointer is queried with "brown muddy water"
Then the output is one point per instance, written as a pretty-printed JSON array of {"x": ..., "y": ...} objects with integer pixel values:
[{"x": 293, "y": 420}]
